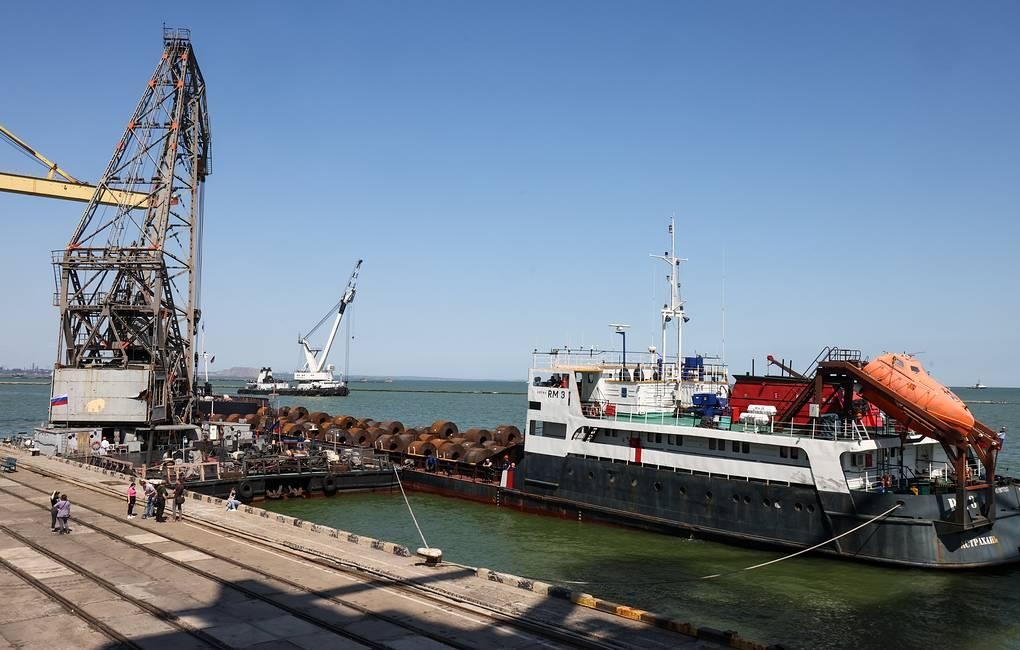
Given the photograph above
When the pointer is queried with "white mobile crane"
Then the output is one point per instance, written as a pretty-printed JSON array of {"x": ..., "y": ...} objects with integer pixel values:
[{"x": 315, "y": 378}]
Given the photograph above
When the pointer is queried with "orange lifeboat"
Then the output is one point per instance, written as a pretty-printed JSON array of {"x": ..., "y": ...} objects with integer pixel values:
[{"x": 906, "y": 377}]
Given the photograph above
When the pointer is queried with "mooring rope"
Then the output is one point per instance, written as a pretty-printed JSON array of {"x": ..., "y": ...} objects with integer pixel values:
[
  {"x": 806, "y": 550},
  {"x": 413, "y": 518}
]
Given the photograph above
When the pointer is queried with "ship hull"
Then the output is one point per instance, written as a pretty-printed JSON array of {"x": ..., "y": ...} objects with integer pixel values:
[
  {"x": 787, "y": 516},
  {"x": 341, "y": 391}
]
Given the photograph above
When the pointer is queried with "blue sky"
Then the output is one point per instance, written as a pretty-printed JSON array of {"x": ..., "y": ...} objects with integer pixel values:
[{"x": 841, "y": 174}]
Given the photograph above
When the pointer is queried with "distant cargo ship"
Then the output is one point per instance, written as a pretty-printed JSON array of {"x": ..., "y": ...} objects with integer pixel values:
[{"x": 315, "y": 378}]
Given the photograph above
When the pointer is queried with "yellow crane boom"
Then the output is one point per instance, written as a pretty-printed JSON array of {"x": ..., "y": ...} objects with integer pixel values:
[{"x": 66, "y": 187}]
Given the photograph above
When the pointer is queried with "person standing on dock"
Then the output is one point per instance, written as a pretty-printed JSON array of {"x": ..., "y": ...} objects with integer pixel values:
[
  {"x": 179, "y": 499},
  {"x": 132, "y": 495},
  {"x": 160, "y": 502},
  {"x": 149, "y": 490},
  {"x": 63, "y": 514},
  {"x": 54, "y": 499}
]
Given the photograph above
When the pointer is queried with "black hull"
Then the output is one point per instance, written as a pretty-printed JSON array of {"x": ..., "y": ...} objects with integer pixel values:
[
  {"x": 778, "y": 516},
  {"x": 343, "y": 391},
  {"x": 255, "y": 487},
  {"x": 240, "y": 406}
]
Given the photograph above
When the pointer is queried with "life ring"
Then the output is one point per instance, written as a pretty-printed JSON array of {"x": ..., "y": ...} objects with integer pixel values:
[
  {"x": 96, "y": 446},
  {"x": 329, "y": 484},
  {"x": 244, "y": 491}
]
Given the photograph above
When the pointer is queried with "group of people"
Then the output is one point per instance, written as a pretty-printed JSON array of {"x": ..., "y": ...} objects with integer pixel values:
[
  {"x": 60, "y": 513},
  {"x": 155, "y": 499}
]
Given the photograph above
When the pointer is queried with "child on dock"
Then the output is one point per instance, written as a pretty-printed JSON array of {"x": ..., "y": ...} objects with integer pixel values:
[
  {"x": 232, "y": 501},
  {"x": 132, "y": 495}
]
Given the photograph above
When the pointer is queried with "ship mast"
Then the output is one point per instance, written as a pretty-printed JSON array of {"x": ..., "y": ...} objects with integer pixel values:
[{"x": 674, "y": 310}]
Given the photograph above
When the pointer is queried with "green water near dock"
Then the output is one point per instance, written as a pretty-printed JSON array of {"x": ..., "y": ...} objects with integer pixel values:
[{"x": 806, "y": 602}]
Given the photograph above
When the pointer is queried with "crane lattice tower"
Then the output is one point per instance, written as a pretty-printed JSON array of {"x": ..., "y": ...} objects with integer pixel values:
[{"x": 128, "y": 281}]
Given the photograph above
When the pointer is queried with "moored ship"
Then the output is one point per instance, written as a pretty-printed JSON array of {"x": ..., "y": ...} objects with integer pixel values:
[{"x": 873, "y": 461}]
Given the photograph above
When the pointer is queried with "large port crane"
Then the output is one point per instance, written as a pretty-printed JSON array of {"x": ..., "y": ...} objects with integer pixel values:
[
  {"x": 128, "y": 281},
  {"x": 64, "y": 186}
]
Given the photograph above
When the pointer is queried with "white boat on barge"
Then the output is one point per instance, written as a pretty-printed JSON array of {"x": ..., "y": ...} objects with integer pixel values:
[{"x": 806, "y": 463}]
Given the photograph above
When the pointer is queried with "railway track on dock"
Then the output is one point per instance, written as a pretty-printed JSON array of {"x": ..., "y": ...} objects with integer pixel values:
[
  {"x": 225, "y": 569},
  {"x": 122, "y": 599}
]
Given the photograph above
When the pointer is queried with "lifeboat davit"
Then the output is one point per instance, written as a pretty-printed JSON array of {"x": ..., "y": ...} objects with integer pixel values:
[{"x": 906, "y": 377}]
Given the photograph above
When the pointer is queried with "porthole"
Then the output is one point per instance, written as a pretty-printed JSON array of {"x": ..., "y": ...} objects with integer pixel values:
[
  {"x": 612, "y": 477},
  {"x": 683, "y": 490},
  {"x": 708, "y": 495},
  {"x": 777, "y": 505},
  {"x": 736, "y": 499},
  {"x": 798, "y": 507},
  {"x": 633, "y": 482},
  {"x": 766, "y": 503},
  {"x": 570, "y": 471},
  {"x": 658, "y": 487},
  {"x": 591, "y": 475},
  {"x": 810, "y": 508},
  {"x": 747, "y": 500}
]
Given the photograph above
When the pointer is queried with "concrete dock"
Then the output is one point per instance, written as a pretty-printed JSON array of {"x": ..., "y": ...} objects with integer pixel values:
[{"x": 251, "y": 578}]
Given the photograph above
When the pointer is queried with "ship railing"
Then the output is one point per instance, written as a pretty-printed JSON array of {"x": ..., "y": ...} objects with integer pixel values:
[
  {"x": 841, "y": 430},
  {"x": 561, "y": 358}
]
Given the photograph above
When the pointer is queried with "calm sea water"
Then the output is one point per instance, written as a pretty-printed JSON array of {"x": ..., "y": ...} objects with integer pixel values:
[{"x": 805, "y": 602}]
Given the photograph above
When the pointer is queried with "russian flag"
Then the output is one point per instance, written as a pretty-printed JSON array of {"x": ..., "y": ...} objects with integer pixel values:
[{"x": 59, "y": 400}]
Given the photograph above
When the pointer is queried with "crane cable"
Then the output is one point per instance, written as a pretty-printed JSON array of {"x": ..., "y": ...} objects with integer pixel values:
[{"x": 802, "y": 551}]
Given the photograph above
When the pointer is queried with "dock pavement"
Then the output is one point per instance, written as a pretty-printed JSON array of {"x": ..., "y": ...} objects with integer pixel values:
[{"x": 255, "y": 579}]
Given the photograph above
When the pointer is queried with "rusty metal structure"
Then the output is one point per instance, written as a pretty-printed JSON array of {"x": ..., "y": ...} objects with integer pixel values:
[{"x": 128, "y": 281}]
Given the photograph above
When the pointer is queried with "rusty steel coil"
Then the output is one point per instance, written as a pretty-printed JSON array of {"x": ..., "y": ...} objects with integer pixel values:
[
  {"x": 284, "y": 410},
  {"x": 297, "y": 413},
  {"x": 344, "y": 421},
  {"x": 383, "y": 442},
  {"x": 475, "y": 455},
  {"x": 478, "y": 435},
  {"x": 421, "y": 448},
  {"x": 456, "y": 441},
  {"x": 511, "y": 434},
  {"x": 216, "y": 417},
  {"x": 392, "y": 426},
  {"x": 264, "y": 411},
  {"x": 444, "y": 428},
  {"x": 234, "y": 418},
  {"x": 363, "y": 438},
  {"x": 451, "y": 451},
  {"x": 367, "y": 423},
  {"x": 290, "y": 428},
  {"x": 469, "y": 444},
  {"x": 425, "y": 437},
  {"x": 251, "y": 419},
  {"x": 318, "y": 417},
  {"x": 403, "y": 441},
  {"x": 337, "y": 435}
]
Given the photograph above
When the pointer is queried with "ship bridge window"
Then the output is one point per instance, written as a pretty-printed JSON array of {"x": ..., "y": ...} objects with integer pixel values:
[
  {"x": 675, "y": 440},
  {"x": 548, "y": 430},
  {"x": 652, "y": 436},
  {"x": 915, "y": 369},
  {"x": 741, "y": 447}
]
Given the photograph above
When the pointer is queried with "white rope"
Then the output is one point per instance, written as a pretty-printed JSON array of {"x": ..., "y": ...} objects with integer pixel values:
[
  {"x": 415, "y": 520},
  {"x": 801, "y": 552}
]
